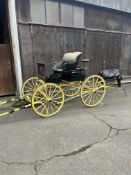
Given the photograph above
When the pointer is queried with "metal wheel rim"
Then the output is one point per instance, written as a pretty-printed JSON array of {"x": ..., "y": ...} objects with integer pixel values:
[
  {"x": 93, "y": 90},
  {"x": 48, "y": 100},
  {"x": 30, "y": 86}
]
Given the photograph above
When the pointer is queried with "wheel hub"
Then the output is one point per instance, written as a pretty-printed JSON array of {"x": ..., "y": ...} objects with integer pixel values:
[{"x": 49, "y": 99}]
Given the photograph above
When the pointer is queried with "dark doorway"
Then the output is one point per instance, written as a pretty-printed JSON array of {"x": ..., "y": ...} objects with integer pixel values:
[{"x": 6, "y": 66}]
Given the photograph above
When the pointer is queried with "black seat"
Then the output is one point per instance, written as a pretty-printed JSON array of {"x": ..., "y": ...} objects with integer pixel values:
[
  {"x": 67, "y": 69},
  {"x": 112, "y": 74},
  {"x": 69, "y": 62}
]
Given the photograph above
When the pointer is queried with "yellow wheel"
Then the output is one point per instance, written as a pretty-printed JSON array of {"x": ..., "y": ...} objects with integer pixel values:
[
  {"x": 93, "y": 90},
  {"x": 71, "y": 89},
  {"x": 30, "y": 86},
  {"x": 48, "y": 100}
]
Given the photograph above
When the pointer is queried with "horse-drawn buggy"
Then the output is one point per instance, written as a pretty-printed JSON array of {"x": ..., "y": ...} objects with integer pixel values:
[{"x": 68, "y": 81}]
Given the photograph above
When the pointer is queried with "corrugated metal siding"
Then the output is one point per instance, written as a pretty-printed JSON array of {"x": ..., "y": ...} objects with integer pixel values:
[
  {"x": 23, "y": 10},
  {"x": 38, "y": 11},
  {"x": 55, "y": 13},
  {"x": 78, "y": 17},
  {"x": 66, "y": 15},
  {"x": 122, "y": 5},
  {"x": 52, "y": 13}
]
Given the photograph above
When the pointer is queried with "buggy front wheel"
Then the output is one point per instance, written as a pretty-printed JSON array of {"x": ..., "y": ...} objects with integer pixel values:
[
  {"x": 93, "y": 90},
  {"x": 48, "y": 100}
]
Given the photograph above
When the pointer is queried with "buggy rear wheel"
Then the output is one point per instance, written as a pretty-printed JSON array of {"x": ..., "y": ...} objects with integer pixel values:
[
  {"x": 71, "y": 88},
  {"x": 30, "y": 86},
  {"x": 93, "y": 90},
  {"x": 48, "y": 100}
]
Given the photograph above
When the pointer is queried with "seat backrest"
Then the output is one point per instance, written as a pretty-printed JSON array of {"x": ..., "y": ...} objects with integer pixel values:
[{"x": 71, "y": 60}]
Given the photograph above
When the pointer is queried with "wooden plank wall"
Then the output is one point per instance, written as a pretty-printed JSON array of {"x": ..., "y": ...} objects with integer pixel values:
[
  {"x": 7, "y": 84},
  {"x": 105, "y": 40}
]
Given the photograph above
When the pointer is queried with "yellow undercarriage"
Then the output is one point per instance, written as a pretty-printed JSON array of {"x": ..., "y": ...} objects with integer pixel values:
[{"x": 47, "y": 99}]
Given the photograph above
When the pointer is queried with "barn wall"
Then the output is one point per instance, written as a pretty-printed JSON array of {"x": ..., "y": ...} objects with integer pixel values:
[{"x": 105, "y": 40}]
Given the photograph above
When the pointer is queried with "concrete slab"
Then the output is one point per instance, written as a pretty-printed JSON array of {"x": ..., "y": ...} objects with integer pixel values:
[
  {"x": 40, "y": 139},
  {"x": 110, "y": 157},
  {"x": 10, "y": 169},
  {"x": 78, "y": 140}
]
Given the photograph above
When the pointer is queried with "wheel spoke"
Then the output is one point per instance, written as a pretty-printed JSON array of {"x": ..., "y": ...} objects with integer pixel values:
[
  {"x": 30, "y": 85},
  {"x": 99, "y": 83},
  {"x": 39, "y": 107},
  {"x": 54, "y": 91},
  {"x": 50, "y": 91},
  {"x": 28, "y": 92},
  {"x": 96, "y": 82},
  {"x": 56, "y": 94},
  {"x": 85, "y": 95},
  {"x": 88, "y": 98},
  {"x": 93, "y": 81},
  {"x": 38, "y": 97},
  {"x": 92, "y": 99},
  {"x": 42, "y": 93},
  {"x": 90, "y": 84},
  {"x": 98, "y": 94},
  {"x": 43, "y": 109},
  {"x": 51, "y": 107},
  {"x": 47, "y": 111},
  {"x": 57, "y": 98},
  {"x": 33, "y": 83},
  {"x": 54, "y": 105},
  {"x": 96, "y": 97},
  {"x": 88, "y": 87},
  {"x": 30, "y": 88},
  {"x": 57, "y": 102},
  {"x": 85, "y": 91},
  {"x": 38, "y": 102},
  {"x": 101, "y": 91}
]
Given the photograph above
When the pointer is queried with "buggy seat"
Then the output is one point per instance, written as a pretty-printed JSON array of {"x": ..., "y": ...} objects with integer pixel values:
[
  {"x": 112, "y": 74},
  {"x": 69, "y": 62}
]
